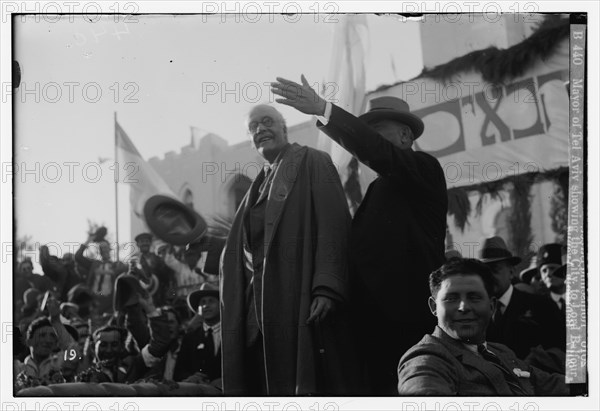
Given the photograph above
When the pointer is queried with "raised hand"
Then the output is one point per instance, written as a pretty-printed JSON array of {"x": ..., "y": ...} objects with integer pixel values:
[{"x": 300, "y": 96}]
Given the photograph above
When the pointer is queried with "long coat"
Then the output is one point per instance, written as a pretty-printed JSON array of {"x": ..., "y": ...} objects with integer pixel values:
[
  {"x": 397, "y": 240},
  {"x": 442, "y": 366},
  {"x": 306, "y": 232}
]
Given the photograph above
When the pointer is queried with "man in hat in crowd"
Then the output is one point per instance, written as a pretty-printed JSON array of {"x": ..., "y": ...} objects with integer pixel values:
[
  {"x": 399, "y": 229},
  {"x": 553, "y": 273},
  {"x": 153, "y": 266},
  {"x": 522, "y": 320},
  {"x": 284, "y": 271},
  {"x": 456, "y": 359},
  {"x": 199, "y": 359},
  {"x": 101, "y": 275}
]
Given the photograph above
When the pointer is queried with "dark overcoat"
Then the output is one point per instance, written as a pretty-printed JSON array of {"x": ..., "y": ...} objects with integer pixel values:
[
  {"x": 306, "y": 233},
  {"x": 528, "y": 321},
  {"x": 397, "y": 240}
]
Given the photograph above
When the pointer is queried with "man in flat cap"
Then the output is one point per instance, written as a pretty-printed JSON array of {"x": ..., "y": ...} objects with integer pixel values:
[
  {"x": 398, "y": 231},
  {"x": 522, "y": 320}
]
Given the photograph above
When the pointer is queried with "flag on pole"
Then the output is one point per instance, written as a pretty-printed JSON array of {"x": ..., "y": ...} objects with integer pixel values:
[
  {"x": 142, "y": 178},
  {"x": 347, "y": 76}
]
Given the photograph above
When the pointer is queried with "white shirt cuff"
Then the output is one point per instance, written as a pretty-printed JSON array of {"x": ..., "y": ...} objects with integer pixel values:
[
  {"x": 149, "y": 359},
  {"x": 325, "y": 117}
]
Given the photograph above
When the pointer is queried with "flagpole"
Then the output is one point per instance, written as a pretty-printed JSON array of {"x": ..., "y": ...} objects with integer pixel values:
[{"x": 116, "y": 189}]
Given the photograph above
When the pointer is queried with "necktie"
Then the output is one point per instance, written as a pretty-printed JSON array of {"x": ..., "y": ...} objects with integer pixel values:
[
  {"x": 509, "y": 377},
  {"x": 498, "y": 313},
  {"x": 210, "y": 343}
]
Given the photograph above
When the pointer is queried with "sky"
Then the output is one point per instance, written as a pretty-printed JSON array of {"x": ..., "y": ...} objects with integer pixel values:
[{"x": 160, "y": 75}]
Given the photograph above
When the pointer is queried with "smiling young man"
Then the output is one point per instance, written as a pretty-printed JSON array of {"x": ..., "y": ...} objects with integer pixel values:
[{"x": 456, "y": 359}]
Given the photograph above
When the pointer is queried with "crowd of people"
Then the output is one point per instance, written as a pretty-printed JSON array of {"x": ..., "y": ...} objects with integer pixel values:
[
  {"x": 97, "y": 320},
  {"x": 305, "y": 299}
]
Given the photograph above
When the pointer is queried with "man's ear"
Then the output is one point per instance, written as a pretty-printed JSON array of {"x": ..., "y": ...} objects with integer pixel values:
[{"x": 432, "y": 306}]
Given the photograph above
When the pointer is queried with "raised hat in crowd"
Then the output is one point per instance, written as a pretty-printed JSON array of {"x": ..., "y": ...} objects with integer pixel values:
[
  {"x": 494, "y": 250},
  {"x": 80, "y": 294},
  {"x": 172, "y": 221},
  {"x": 128, "y": 291},
  {"x": 393, "y": 108},
  {"x": 141, "y": 236},
  {"x": 205, "y": 289},
  {"x": 527, "y": 274}
]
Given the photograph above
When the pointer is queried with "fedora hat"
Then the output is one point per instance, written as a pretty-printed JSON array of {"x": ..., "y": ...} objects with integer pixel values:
[
  {"x": 205, "y": 289},
  {"x": 393, "y": 108},
  {"x": 527, "y": 274},
  {"x": 172, "y": 221},
  {"x": 495, "y": 250}
]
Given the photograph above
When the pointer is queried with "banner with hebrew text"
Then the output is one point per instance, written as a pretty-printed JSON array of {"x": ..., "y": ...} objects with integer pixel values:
[{"x": 482, "y": 132}]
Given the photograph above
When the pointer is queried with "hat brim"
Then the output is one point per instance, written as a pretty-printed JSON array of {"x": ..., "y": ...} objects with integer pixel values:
[
  {"x": 172, "y": 221},
  {"x": 139, "y": 237},
  {"x": 193, "y": 299},
  {"x": 561, "y": 271},
  {"x": 411, "y": 120},
  {"x": 514, "y": 260},
  {"x": 528, "y": 274}
]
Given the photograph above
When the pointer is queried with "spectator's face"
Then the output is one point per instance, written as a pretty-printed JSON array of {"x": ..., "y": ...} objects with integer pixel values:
[
  {"x": 503, "y": 273},
  {"x": 267, "y": 129},
  {"x": 463, "y": 308},
  {"x": 208, "y": 308},
  {"x": 109, "y": 347},
  {"x": 393, "y": 131},
  {"x": 144, "y": 244},
  {"x": 550, "y": 280},
  {"x": 43, "y": 342},
  {"x": 26, "y": 268}
]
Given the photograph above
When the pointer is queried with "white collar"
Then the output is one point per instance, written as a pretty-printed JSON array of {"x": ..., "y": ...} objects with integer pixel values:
[
  {"x": 215, "y": 328},
  {"x": 556, "y": 297},
  {"x": 505, "y": 299}
]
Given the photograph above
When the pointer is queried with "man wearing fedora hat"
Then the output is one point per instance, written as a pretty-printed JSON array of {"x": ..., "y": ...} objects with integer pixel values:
[
  {"x": 398, "y": 231},
  {"x": 200, "y": 353},
  {"x": 521, "y": 320}
]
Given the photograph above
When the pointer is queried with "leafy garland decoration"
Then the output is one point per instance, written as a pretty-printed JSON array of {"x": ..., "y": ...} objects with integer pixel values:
[{"x": 520, "y": 187}]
